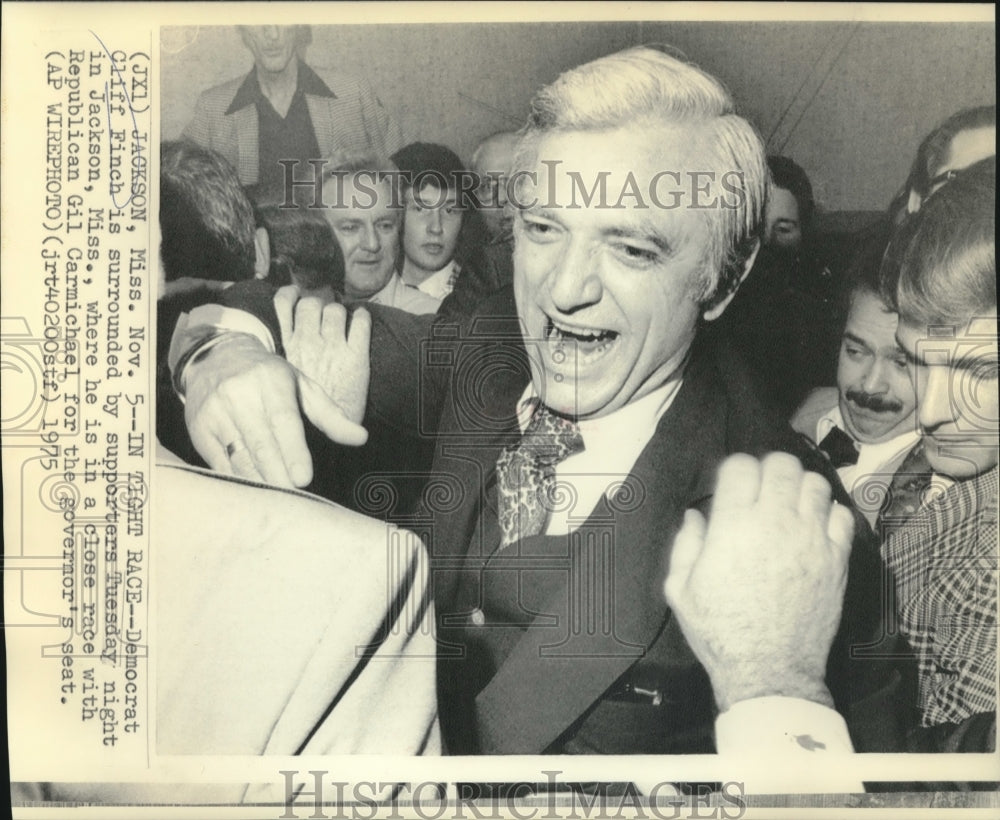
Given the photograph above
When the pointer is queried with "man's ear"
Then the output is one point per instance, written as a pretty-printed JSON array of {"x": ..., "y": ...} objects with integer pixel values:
[
  {"x": 262, "y": 254},
  {"x": 716, "y": 310},
  {"x": 913, "y": 202}
]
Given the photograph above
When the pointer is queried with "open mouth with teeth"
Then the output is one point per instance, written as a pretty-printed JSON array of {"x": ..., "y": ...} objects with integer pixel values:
[{"x": 588, "y": 343}]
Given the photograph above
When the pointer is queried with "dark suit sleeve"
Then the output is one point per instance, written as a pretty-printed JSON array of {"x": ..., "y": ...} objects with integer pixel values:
[
  {"x": 976, "y": 734},
  {"x": 870, "y": 668},
  {"x": 485, "y": 275},
  {"x": 396, "y": 348},
  {"x": 255, "y": 296},
  {"x": 385, "y": 477},
  {"x": 404, "y": 404}
]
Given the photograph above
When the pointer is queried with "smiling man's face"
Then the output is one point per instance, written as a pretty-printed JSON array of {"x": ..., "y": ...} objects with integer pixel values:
[{"x": 608, "y": 296}]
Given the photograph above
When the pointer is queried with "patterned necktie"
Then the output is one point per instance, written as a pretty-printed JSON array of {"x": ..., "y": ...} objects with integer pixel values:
[
  {"x": 906, "y": 491},
  {"x": 526, "y": 475},
  {"x": 839, "y": 448}
]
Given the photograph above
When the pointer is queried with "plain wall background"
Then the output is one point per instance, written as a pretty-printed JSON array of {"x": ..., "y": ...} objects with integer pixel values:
[{"x": 859, "y": 97}]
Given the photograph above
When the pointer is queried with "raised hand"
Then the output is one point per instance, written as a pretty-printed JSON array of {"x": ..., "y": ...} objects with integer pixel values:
[
  {"x": 319, "y": 344},
  {"x": 242, "y": 409},
  {"x": 758, "y": 588}
]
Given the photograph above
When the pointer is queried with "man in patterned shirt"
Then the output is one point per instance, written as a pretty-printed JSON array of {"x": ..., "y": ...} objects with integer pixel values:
[
  {"x": 944, "y": 557},
  {"x": 940, "y": 541}
]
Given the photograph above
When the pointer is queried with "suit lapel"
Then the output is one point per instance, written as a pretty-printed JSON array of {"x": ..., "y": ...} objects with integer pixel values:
[
  {"x": 321, "y": 114},
  {"x": 549, "y": 680},
  {"x": 459, "y": 543},
  {"x": 244, "y": 123}
]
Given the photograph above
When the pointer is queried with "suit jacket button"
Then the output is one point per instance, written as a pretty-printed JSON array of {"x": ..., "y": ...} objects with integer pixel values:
[{"x": 477, "y": 617}]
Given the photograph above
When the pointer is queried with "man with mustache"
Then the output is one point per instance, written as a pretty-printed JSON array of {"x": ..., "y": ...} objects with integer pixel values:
[
  {"x": 865, "y": 424},
  {"x": 943, "y": 553}
]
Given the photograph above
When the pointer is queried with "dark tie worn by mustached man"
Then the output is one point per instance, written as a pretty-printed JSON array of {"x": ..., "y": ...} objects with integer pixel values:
[
  {"x": 839, "y": 448},
  {"x": 526, "y": 473}
]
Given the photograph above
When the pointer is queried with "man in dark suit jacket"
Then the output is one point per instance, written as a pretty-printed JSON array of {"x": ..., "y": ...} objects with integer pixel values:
[
  {"x": 553, "y": 634},
  {"x": 562, "y": 643}
]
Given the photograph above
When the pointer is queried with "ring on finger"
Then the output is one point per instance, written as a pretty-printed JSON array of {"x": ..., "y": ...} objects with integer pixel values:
[{"x": 234, "y": 447}]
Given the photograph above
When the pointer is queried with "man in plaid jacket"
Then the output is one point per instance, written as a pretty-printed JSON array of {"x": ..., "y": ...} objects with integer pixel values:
[
  {"x": 285, "y": 110},
  {"x": 943, "y": 553},
  {"x": 939, "y": 525}
]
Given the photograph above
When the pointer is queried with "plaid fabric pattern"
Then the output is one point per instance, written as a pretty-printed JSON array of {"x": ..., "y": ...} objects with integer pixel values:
[{"x": 944, "y": 559}]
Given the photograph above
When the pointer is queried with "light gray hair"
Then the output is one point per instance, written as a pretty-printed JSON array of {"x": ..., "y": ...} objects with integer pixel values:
[{"x": 647, "y": 86}]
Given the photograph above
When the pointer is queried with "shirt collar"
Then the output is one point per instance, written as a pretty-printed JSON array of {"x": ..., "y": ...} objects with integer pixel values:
[
  {"x": 830, "y": 419},
  {"x": 612, "y": 446},
  {"x": 311, "y": 83},
  {"x": 631, "y": 426},
  {"x": 387, "y": 296},
  {"x": 441, "y": 276},
  {"x": 885, "y": 449},
  {"x": 307, "y": 82},
  {"x": 636, "y": 420}
]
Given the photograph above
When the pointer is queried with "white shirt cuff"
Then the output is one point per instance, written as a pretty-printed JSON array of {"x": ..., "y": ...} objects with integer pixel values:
[
  {"x": 796, "y": 741},
  {"x": 195, "y": 326}
]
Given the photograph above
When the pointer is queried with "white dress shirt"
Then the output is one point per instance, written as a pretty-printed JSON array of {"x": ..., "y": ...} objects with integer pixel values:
[
  {"x": 612, "y": 445},
  {"x": 406, "y": 297},
  {"x": 803, "y": 735},
  {"x": 796, "y": 744},
  {"x": 868, "y": 480},
  {"x": 440, "y": 283}
]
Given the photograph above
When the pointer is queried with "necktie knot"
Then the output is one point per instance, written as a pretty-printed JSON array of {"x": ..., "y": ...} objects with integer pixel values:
[
  {"x": 839, "y": 448},
  {"x": 526, "y": 473},
  {"x": 550, "y": 438}
]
